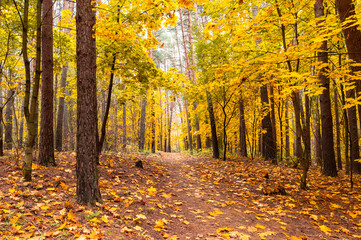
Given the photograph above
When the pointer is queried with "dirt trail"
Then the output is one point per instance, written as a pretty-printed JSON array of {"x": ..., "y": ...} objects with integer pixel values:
[{"x": 207, "y": 203}]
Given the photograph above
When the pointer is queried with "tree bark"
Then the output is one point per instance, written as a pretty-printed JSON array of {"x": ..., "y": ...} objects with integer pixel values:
[
  {"x": 61, "y": 108},
  {"x": 328, "y": 151},
  {"x": 142, "y": 125},
  {"x": 338, "y": 135},
  {"x": 318, "y": 146},
  {"x": 242, "y": 129},
  {"x": 346, "y": 10},
  {"x": 1, "y": 123},
  {"x": 46, "y": 143},
  {"x": 287, "y": 132},
  {"x": 30, "y": 103},
  {"x": 9, "y": 120},
  {"x": 268, "y": 144},
  {"x": 86, "y": 168},
  {"x": 124, "y": 147}
]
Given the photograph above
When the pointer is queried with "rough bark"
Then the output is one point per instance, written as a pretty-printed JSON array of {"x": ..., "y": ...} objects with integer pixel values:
[
  {"x": 242, "y": 129},
  {"x": 338, "y": 135},
  {"x": 46, "y": 143},
  {"x": 269, "y": 151},
  {"x": 61, "y": 108},
  {"x": 287, "y": 132},
  {"x": 1, "y": 124},
  {"x": 107, "y": 108},
  {"x": 328, "y": 151},
  {"x": 142, "y": 125},
  {"x": 9, "y": 121},
  {"x": 318, "y": 146},
  {"x": 124, "y": 147},
  {"x": 31, "y": 99},
  {"x": 86, "y": 168},
  {"x": 346, "y": 10}
]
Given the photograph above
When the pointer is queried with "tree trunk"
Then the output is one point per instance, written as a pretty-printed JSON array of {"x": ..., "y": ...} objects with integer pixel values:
[
  {"x": 169, "y": 149},
  {"x": 107, "y": 108},
  {"x": 328, "y": 151},
  {"x": 1, "y": 123},
  {"x": 215, "y": 147},
  {"x": 61, "y": 107},
  {"x": 86, "y": 168},
  {"x": 318, "y": 146},
  {"x": 190, "y": 140},
  {"x": 338, "y": 135},
  {"x": 124, "y": 147},
  {"x": 142, "y": 125},
  {"x": 46, "y": 145},
  {"x": 9, "y": 120},
  {"x": 287, "y": 132},
  {"x": 346, "y": 10},
  {"x": 268, "y": 144},
  {"x": 30, "y": 103},
  {"x": 242, "y": 129}
]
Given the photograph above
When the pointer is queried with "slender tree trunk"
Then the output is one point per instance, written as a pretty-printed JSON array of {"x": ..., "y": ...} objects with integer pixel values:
[
  {"x": 46, "y": 145},
  {"x": 1, "y": 123},
  {"x": 30, "y": 103},
  {"x": 170, "y": 127},
  {"x": 161, "y": 122},
  {"x": 328, "y": 151},
  {"x": 346, "y": 10},
  {"x": 269, "y": 146},
  {"x": 318, "y": 146},
  {"x": 86, "y": 168},
  {"x": 9, "y": 120},
  {"x": 273, "y": 116},
  {"x": 242, "y": 129},
  {"x": 142, "y": 125},
  {"x": 107, "y": 108},
  {"x": 153, "y": 123},
  {"x": 61, "y": 107},
  {"x": 287, "y": 131},
  {"x": 338, "y": 135},
  {"x": 124, "y": 147},
  {"x": 190, "y": 140}
]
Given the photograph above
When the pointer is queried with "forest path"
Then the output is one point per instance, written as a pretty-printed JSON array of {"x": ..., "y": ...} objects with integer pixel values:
[{"x": 208, "y": 204}]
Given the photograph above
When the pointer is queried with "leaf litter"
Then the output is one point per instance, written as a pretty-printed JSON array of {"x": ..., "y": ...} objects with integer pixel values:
[{"x": 176, "y": 196}]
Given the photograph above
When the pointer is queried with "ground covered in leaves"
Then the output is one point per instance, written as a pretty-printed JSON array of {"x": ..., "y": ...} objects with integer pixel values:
[{"x": 176, "y": 196}]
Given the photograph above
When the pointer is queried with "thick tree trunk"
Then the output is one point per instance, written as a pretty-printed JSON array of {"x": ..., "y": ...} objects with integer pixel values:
[
  {"x": 269, "y": 146},
  {"x": 61, "y": 108},
  {"x": 242, "y": 129},
  {"x": 328, "y": 151},
  {"x": 46, "y": 145},
  {"x": 142, "y": 125},
  {"x": 346, "y": 10},
  {"x": 161, "y": 122},
  {"x": 86, "y": 168}
]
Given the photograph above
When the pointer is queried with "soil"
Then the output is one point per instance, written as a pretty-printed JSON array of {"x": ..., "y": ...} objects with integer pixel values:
[{"x": 177, "y": 196}]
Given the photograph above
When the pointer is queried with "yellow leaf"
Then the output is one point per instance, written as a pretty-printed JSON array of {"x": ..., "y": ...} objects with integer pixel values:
[
  {"x": 159, "y": 225},
  {"x": 152, "y": 191},
  {"x": 325, "y": 229},
  {"x": 215, "y": 213},
  {"x": 186, "y": 222},
  {"x": 62, "y": 226},
  {"x": 44, "y": 207},
  {"x": 260, "y": 226},
  {"x": 335, "y": 206},
  {"x": 71, "y": 216},
  {"x": 224, "y": 230},
  {"x": 167, "y": 195},
  {"x": 105, "y": 218}
]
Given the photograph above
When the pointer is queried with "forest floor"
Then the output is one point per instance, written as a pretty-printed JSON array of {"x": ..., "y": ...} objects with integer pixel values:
[{"x": 176, "y": 196}]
